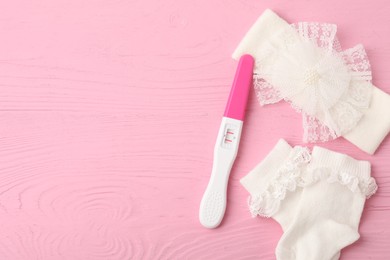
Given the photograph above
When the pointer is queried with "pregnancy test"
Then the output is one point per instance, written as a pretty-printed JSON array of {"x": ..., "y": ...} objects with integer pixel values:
[{"x": 213, "y": 204}]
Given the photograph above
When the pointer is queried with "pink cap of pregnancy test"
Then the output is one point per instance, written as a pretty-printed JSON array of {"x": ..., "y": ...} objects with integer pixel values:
[{"x": 235, "y": 108}]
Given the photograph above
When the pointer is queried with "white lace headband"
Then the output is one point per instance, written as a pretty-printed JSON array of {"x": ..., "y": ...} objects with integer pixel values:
[{"x": 304, "y": 64}]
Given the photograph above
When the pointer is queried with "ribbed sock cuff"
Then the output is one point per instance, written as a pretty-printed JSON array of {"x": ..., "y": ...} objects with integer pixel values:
[
  {"x": 322, "y": 157},
  {"x": 256, "y": 180}
]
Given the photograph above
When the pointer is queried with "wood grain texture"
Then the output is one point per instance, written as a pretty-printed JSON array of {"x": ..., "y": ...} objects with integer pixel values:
[{"x": 109, "y": 112}]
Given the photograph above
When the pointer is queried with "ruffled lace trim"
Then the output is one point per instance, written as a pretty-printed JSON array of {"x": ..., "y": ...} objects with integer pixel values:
[
  {"x": 366, "y": 187},
  {"x": 288, "y": 178},
  {"x": 306, "y": 67},
  {"x": 292, "y": 174}
]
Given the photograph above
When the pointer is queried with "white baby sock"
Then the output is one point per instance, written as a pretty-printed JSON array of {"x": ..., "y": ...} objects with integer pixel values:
[
  {"x": 271, "y": 180},
  {"x": 330, "y": 207},
  {"x": 319, "y": 219}
]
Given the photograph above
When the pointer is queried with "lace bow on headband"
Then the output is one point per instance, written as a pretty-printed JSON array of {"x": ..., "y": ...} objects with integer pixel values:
[{"x": 304, "y": 65}]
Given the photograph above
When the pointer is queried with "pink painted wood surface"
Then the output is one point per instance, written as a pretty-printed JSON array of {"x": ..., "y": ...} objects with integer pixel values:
[{"x": 108, "y": 115}]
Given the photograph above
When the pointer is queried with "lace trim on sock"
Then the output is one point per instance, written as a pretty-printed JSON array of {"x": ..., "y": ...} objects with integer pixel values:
[
  {"x": 292, "y": 174},
  {"x": 287, "y": 178},
  {"x": 366, "y": 187}
]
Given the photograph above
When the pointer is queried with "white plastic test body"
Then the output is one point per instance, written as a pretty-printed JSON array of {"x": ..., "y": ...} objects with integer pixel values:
[{"x": 213, "y": 204}]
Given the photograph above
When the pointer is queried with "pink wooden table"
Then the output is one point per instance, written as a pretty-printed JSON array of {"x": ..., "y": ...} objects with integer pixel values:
[{"x": 109, "y": 110}]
